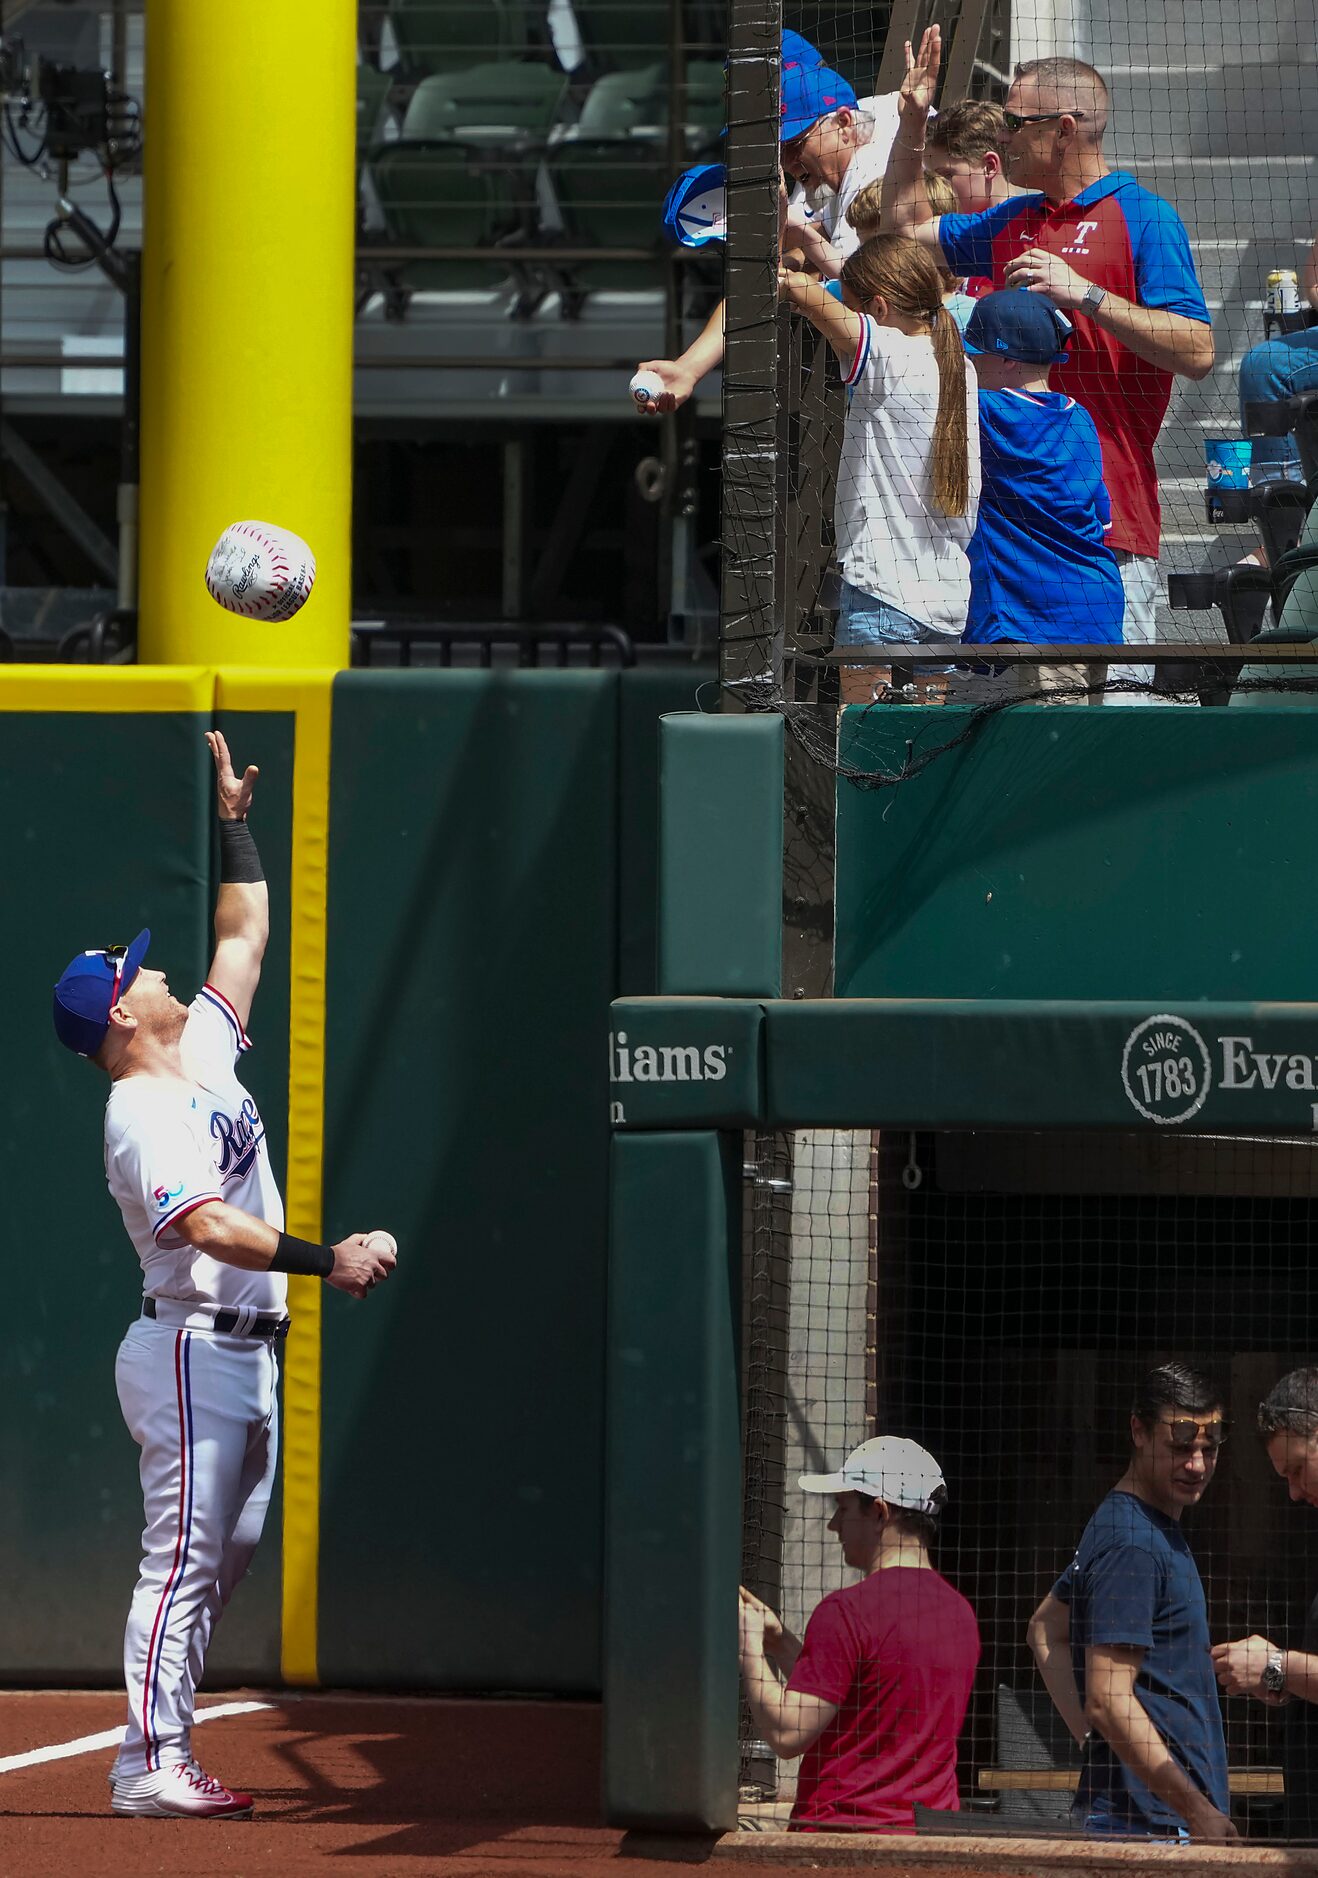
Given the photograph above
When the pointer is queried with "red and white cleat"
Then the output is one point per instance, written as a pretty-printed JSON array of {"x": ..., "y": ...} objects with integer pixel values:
[{"x": 183, "y": 1791}]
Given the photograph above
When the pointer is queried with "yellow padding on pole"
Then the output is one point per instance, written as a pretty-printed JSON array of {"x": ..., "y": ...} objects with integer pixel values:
[
  {"x": 247, "y": 314},
  {"x": 110, "y": 688},
  {"x": 308, "y": 695}
]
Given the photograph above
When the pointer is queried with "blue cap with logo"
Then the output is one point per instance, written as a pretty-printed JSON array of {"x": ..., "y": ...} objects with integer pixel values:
[
  {"x": 809, "y": 93},
  {"x": 1017, "y": 324},
  {"x": 797, "y": 50},
  {"x": 90, "y": 988},
  {"x": 695, "y": 208}
]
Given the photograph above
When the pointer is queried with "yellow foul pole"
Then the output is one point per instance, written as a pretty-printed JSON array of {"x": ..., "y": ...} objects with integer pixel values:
[{"x": 247, "y": 309}]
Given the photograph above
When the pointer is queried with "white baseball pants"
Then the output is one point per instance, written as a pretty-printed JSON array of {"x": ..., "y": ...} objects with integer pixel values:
[{"x": 204, "y": 1411}]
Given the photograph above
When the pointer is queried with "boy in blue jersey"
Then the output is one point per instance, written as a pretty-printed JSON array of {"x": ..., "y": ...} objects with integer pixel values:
[
  {"x": 1041, "y": 572},
  {"x": 1121, "y": 1640}
]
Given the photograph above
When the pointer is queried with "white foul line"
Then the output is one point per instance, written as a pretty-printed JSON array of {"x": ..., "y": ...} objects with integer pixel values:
[{"x": 111, "y": 1737}]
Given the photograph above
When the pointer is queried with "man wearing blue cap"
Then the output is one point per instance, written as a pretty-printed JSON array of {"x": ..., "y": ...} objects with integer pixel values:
[
  {"x": 1040, "y": 570},
  {"x": 187, "y": 1161},
  {"x": 833, "y": 144}
]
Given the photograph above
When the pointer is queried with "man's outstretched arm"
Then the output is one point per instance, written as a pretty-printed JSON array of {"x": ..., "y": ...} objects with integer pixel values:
[
  {"x": 242, "y": 910},
  {"x": 236, "y": 1238}
]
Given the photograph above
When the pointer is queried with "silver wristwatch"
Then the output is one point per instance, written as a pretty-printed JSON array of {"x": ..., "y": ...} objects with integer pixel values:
[
  {"x": 1092, "y": 299},
  {"x": 1273, "y": 1679}
]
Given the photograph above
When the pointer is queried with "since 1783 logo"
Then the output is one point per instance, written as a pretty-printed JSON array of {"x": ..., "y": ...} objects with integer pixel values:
[{"x": 1166, "y": 1069}]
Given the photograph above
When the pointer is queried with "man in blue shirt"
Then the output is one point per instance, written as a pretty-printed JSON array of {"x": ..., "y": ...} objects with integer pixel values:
[
  {"x": 1040, "y": 570},
  {"x": 1121, "y": 1640}
]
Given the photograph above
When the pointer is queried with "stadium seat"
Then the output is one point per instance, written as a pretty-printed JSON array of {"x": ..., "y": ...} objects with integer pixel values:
[
  {"x": 508, "y": 102},
  {"x": 622, "y": 32},
  {"x": 634, "y": 103},
  {"x": 373, "y": 88},
  {"x": 432, "y": 196},
  {"x": 609, "y": 196},
  {"x": 443, "y": 35}
]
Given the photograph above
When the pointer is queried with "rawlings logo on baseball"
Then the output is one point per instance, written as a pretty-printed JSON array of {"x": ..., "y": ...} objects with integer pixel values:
[{"x": 260, "y": 571}]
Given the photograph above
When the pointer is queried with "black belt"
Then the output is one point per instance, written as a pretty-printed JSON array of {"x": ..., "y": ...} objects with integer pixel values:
[{"x": 231, "y": 1324}]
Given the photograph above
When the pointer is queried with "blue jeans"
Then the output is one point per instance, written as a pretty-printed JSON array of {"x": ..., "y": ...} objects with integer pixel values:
[
  {"x": 1104, "y": 1825},
  {"x": 864, "y": 620},
  {"x": 1278, "y": 368}
]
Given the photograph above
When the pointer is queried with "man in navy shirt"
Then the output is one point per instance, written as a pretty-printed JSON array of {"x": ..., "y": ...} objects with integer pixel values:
[
  {"x": 1040, "y": 570},
  {"x": 1131, "y": 1608}
]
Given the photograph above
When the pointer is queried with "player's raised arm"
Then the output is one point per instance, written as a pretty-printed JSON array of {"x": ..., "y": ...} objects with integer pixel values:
[{"x": 242, "y": 910}]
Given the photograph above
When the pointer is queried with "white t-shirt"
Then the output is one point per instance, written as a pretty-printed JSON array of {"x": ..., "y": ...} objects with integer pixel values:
[
  {"x": 893, "y": 540},
  {"x": 867, "y": 165},
  {"x": 170, "y": 1146}
]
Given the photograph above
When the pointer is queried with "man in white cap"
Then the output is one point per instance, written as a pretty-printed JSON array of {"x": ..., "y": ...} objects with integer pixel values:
[{"x": 874, "y": 1698}]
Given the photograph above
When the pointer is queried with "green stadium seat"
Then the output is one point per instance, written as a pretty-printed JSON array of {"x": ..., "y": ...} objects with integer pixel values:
[
  {"x": 373, "y": 88},
  {"x": 432, "y": 197},
  {"x": 622, "y": 32},
  {"x": 507, "y": 102},
  {"x": 610, "y": 196},
  {"x": 443, "y": 35},
  {"x": 635, "y": 102}
]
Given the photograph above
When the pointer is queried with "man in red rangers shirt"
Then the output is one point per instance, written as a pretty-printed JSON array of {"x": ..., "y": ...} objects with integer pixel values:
[
  {"x": 1112, "y": 255},
  {"x": 874, "y": 1698}
]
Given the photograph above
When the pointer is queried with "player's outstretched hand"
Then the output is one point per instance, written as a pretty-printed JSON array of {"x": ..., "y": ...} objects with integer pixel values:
[
  {"x": 235, "y": 796},
  {"x": 362, "y": 1260},
  {"x": 677, "y": 381}
]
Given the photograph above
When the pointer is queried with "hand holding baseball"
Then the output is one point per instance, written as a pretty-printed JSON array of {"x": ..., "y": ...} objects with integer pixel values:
[
  {"x": 675, "y": 385},
  {"x": 362, "y": 1260}
]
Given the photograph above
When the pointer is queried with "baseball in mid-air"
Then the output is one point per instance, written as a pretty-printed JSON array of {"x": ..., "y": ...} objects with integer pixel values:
[
  {"x": 381, "y": 1241},
  {"x": 260, "y": 571}
]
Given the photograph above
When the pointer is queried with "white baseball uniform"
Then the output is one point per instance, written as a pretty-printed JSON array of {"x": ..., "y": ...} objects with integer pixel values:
[{"x": 201, "y": 1404}]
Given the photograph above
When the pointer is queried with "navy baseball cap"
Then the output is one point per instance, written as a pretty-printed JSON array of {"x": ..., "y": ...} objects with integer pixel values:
[
  {"x": 1017, "y": 324},
  {"x": 809, "y": 93},
  {"x": 89, "y": 989}
]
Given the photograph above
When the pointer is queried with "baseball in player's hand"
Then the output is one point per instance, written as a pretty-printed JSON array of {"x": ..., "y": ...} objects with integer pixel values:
[
  {"x": 362, "y": 1260},
  {"x": 235, "y": 794},
  {"x": 678, "y": 383}
]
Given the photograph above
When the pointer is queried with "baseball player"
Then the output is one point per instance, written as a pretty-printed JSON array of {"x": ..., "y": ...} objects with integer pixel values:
[{"x": 186, "y": 1160}]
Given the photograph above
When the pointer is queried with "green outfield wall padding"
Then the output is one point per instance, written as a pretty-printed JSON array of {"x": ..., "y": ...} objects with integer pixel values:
[
  {"x": 685, "y": 1062},
  {"x": 106, "y": 830},
  {"x": 645, "y": 695},
  {"x": 721, "y": 855},
  {"x": 674, "y": 1483},
  {"x": 246, "y": 1646},
  {"x": 471, "y": 955},
  {"x": 1107, "y": 854}
]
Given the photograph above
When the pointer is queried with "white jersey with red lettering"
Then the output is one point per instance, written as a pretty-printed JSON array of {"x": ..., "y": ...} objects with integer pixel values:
[{"x": 170, "y": 1146}]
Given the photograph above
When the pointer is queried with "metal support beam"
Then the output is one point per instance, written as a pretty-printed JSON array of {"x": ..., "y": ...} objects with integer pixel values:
[
  {"x": 59, "y": 502},
  {"x": 573, "y": 513},
  {"x": 513, "y": 582},
  {"x": 965, "y": 48}
]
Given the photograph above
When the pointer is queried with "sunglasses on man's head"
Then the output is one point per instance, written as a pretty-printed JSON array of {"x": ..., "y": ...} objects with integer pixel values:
[
  {"x": 1185, "y": 1433},
  {"x": 1014, "y": 121},
  {"x": 115, "y": 955}
]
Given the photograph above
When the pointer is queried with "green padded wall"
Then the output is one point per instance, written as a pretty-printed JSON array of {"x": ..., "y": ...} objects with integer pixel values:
[
  {"x": 721, "y": 855},
  {"x": 471, "y": 953},
  {"x": 645, "y": 695},
  {"x": 1063, "y": 853},
  {"x": 105, "y": 831},
  {"x": 674, "y": 1483}
]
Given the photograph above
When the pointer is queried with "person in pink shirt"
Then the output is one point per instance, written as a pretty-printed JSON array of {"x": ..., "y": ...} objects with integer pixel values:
[{"x": 873, "y": 1699}]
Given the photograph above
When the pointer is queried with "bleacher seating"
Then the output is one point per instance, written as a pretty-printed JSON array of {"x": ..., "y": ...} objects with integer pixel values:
[
  {"x": 509, "y": 104},
  {"x": 446, "y": 35}
]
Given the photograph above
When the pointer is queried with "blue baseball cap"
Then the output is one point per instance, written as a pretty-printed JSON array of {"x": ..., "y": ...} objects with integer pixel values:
[
  {"x": 1017, "y": 324},
  {"x": 797, "y": 50},
  {"x": 695, "y": 208},
  {"x": 90, "y": 988},
  {"x": 809, "y": 93}
]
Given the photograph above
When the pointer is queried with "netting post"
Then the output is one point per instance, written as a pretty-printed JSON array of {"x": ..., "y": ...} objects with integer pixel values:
[{"x": 750, "y": 635}]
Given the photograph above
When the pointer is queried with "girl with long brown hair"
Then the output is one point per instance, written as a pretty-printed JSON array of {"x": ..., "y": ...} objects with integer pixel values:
[{"x": 908, "y": 478}]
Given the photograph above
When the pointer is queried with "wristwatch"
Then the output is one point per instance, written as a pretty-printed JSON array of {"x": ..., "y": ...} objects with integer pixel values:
[
  {"x": 1273, "y": 1679},
  {"x": 1092, "y": 298}
]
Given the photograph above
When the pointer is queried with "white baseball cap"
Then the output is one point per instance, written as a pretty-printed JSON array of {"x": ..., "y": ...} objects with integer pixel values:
[{"x": 888, "y": 1468}]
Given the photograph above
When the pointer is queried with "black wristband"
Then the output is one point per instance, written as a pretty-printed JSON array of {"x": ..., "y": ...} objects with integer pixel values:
[
  {"x": 239, "y": 861},
  {"x": 300, "y": 1256}
]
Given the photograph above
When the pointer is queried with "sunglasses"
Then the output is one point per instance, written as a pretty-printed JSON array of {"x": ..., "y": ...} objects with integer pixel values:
[
  {"x": 1185, "y": 1434},
  {"x": 1014, "y": 121},
  {"x": 116, "y": 955}
]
